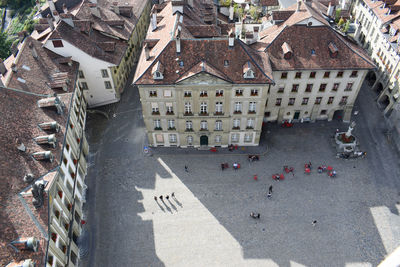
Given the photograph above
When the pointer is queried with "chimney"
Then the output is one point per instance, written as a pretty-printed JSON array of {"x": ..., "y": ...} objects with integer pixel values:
[
  {"x": 14, "y": 49},
  {"x": 50, "y": 22},
  {"x": 154, "y": 20},
  {"x": 3, "y": 69},
  {"x": 231, "y": 12},
  {"x": 33, "y": 50},
  {"x": 65, "y": 9},
  {"x": 147, "y": 51},
  {"x": 231, "y": 38},
  {"x": 14, "y": 68},
  {"x": 190, "y": 3},
  {"x": 330, "y": 10},
  {"x": 67, "y": 18},
  {"x": 178, "y": 42},
  {"x": 256, "y": 29},
  {"x": 298, "y": 5},
  {"x": 94, "y": 10},
  {"x": 115, "y": 7},
  {"x": 51, "y": 6},
  {"x": 56, "y": 16}
]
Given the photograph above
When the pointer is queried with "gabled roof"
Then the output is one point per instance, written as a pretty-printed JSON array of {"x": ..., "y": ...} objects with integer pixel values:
[{"x": 203, "y": 67}]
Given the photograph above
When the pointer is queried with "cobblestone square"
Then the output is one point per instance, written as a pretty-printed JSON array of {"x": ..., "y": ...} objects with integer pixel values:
[{"x": 208, "y": 222}]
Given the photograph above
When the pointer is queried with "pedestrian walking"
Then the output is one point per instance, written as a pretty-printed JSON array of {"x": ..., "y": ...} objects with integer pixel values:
[
  {"x": 155, "y": 198},
  {"x": 172, "y": 194},
  {"x": 186, "y": 169},
  {"x": 269, "y": 195},
  {"x": 167, "y": 197},
  {"x": 270, "y": 189},
  {"x": 314, "y": 223},
  {"x": 160, "y": 198},
  {"x": 255, "y": 177}
]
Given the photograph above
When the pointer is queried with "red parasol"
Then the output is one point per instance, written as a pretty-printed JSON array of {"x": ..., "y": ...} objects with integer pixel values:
[{"x": 329, "y": 168}]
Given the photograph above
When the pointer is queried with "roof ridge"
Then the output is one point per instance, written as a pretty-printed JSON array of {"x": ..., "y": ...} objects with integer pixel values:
[{"x": 202, "y": 61}]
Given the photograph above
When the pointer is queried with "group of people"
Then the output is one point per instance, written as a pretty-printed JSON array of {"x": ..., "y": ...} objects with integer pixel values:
[{"x": 166, "y": 197}]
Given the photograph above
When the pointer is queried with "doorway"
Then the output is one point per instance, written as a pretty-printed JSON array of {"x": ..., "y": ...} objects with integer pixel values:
[
  {"x": 203, "y": 140},
  {"x": 296, "y": 115}
]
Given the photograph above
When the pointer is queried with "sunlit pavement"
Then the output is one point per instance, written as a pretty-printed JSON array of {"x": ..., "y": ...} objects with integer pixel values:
[{"x": 208, "y": 223}]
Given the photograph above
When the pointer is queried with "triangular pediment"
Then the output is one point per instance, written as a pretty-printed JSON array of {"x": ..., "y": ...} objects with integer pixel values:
[{"x": 202, "y": 78}]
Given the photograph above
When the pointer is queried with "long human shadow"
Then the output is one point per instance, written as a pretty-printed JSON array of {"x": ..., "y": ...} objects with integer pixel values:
[{"x": 172, "y": 205}]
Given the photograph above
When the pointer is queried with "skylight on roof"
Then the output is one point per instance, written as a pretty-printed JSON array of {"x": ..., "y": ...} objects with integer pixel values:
[
  {"x": 25, "y": 67},
  {"x": 312, "y": 52},
  {"x": 21, "y": 80}
]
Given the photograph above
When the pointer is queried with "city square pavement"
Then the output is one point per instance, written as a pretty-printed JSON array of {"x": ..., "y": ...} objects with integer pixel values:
[{"x": 208, "y": 222}]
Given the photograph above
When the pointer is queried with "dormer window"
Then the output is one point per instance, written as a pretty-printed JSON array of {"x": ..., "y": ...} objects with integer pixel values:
[
  {"x": 287, "y": 51},
  {"x": 157, "y": 71},
  {"x": 333, "y": 50},
  {"x": 248, "y": 72}
]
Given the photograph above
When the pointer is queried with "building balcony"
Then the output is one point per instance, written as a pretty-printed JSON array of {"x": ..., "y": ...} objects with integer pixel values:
[
  {"x": 218, "y": 113},
  {"x": 251, "y": 112},
  {"x": 188, "y": 114},
  {"x": 249, "y": 127},
  {"x": 169, "y": 113},
  {"x": 203, "y": 114},
  {"x": 236, "y": 128},
  {"x": 189, "y": 130},
  {"x": 155, "y": 113},
  {"x": 157, "y": 129},
  {"x": 171, "y": 129},
  {"x": 237, "y": 112}
]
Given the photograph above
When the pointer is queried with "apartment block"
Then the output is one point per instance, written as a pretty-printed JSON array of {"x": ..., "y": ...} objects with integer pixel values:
[{"x": 44, "y": 158}]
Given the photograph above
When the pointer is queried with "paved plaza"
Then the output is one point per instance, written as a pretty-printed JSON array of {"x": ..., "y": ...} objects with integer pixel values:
[{"x": 208, "y": 223}]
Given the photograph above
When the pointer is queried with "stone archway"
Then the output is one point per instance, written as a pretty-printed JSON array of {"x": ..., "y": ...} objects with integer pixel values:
[
  {"x": 384, "y": 101},
  {"x": 204, "y": 140},
  {"x": 338, "y": 115},
  {"x": 371, "y": 77},
  {"x": 379, "y": 88}
]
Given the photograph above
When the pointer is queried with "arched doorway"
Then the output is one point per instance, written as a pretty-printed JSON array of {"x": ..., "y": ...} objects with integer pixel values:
[
  {"x": 371, "y": 78},
  {"x": 384, "y": 101},
  {"x": 204, "y": 140},
  {"x": 338, "y": 115},
  {"x": 379, "y": 88}
]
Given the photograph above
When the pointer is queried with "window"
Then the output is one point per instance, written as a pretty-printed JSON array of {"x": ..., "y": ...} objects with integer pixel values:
[
  {"x": 203, "y": 93},
  {"x": 188, "y": 108},
  {"x": 326, "y": 74},
  {"x": 167, "y": 93},
  {"x": 80, "y": 74},
  {"x": 309, "y": 88},
  {"x": 322, "y": 87},
  {"x": 218, "y": 108},
  {"x": 171, "y": 125},
  {"x": 281, "y": 89},
  {"x": 330, "y": 100},
  {"x": 354, "y": 73},
  {"x": 239, "y": 92},
  {"x": 267, "y": 114},
  {"x": 84, "y": 86},
  {"x": 349, "y": 86},
  {"x": 284, "y": 75},
  {"x": 218, "y": 139},
  {"x": 189, "y": 126},
  {"x": 295, "y": 88},
  {"x": 169, "y": 109},
  {"x": 104, "y": 73},
  {"x": 339, "y": 74},
  {"x": 219, "y": 92},
  {"x": 159, "y": 138},
  {"x": 291, "y": 101},
  {"x": 57, "y": 43},
  {"x": 305, "y": 101},
  {"x": 254, "y": 92},
  {"x": 252, "y": 107},
  {"x": 203, "y": 108},
  {"x": 189, "y": 140},
  {"x": 188, "y": 94},
  {"x": 323, "y": 112},
  {"x": 154, "y": 109},
  {"x": 235, "y": 138},
  {"x": 203, "y": 125},
  {"x": 250, "y": 123},
  {"x": 172, "y": 138},
  {"x": 318, "y": 100},
  {"x": 343, "y": 101},
  {"x": 248, "y": 137},
  {"x": 298, "y": 75},
  {"x": 278, "y": 102},
  {"x": 236, "y": 124},
  {"x": 335, "y": 87},
  {"x": 107, "y": 84},
  {"x": 238, "y": 108},
  {"x": 226, "y": 63},
  {"x": 153, "y": 93},
  {"x": 218, "y": 125},
  {"x": 312, "y": 74},
  {"x": 157, "y": 124}
]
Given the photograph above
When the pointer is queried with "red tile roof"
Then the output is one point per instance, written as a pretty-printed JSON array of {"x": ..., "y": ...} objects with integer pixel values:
[{"x": 19, "y": 124}]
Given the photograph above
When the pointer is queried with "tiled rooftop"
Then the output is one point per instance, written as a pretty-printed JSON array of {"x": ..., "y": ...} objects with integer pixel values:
[{"x": 19, "y": 125}]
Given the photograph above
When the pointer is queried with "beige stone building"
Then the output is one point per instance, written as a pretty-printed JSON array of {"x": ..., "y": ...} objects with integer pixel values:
[{"x": 199, "y": 86}]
